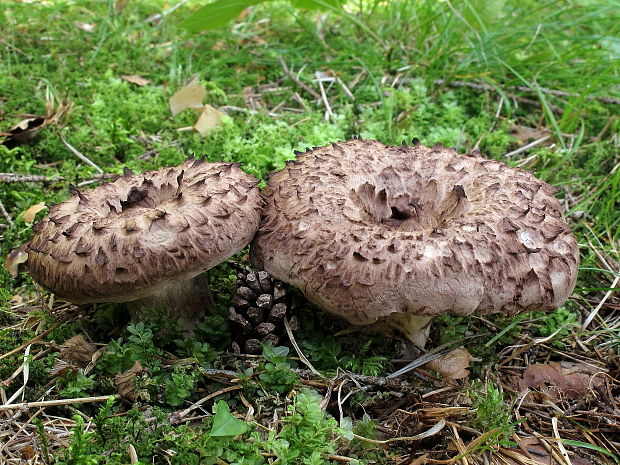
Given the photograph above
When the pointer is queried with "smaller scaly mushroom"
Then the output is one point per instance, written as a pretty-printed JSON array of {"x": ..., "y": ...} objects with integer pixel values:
[
  {"x": 146, "y": 239},
  {"x": 398, "y": 235}
]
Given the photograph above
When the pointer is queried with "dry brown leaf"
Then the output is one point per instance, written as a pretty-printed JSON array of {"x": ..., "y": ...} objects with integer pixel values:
[
  {"x": 125, "y": 382},
  {"x": 453, "y": 365},
  {"x": 190, "y": 96},
  {"x": 525, "y": 134},
  {"x": 77, "y": 351},
  {"x": 29, "y": 127},
  {"x": 574, "y": 380},
  {"x": 61, "y": 368},
  {"x": 31, "y": 212},
  {"x": 15, "y": 258},
  {"x": 135, "y": 79},
  {"x": 210, "y": 119},
  {"x": 538, "y": 454}
]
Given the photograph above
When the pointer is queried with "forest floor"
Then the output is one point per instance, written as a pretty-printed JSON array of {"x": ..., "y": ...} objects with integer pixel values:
[{"x": 532, "y": 83}]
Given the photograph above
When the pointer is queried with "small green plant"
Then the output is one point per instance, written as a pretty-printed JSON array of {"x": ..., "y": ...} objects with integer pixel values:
[
  {"x": 79, "y": 451},
  {"x": 76, "y": 384},
  {"x": 492, "y": 412},
  {"x": 277, "y": 375}
]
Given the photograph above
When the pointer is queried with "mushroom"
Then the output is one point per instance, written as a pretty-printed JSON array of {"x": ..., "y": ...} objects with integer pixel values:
[
  {"x": 147, "y": 238},
  {"x": 397, "y": 235}
]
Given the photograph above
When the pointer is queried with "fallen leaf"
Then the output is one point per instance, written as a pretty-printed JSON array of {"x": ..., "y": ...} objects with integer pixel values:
[
  {"x": 325, "y": 76},
  {"x": 125, "y": 382},
  {"x": 525, "y": 134},
  {"x": 537, "y": 453},
  {"x": 30, "y": 214},
  {"x": 574, "y": 380},
  {"x": 453, "y": 365},
  {"x": 135, "y": 79},
  {"x": 120, "y": 5},
  {"x": 61, "y": 368},
  {"x": 77, "y": 351},
  {"x": 15, "y": 258},
  {"x": 190, "y": 96},
  {"x": 29, "y": 127},
  {"x": 210, "y": 119},
  {"x": 88, "y": 27}
]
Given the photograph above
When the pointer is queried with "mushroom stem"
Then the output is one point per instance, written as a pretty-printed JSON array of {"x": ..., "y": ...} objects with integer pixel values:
[
  {"x": 184, "y": 302},
  {"x": 415, "y": 328}
]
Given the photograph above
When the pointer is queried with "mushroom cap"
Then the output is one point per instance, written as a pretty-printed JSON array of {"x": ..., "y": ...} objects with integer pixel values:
[
  {"x": 367, "y": 230},
  {"x": 126, "y": 239}
]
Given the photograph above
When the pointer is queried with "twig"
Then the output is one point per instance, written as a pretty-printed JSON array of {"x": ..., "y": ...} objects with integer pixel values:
[
  {"x": 544, "y": 90},
  {"x": 527, "y": 147},
  {"x": 594, "y": 312},
  {"x": 157, "y": 17},
  {"x": 57, "y": 402},
  {"x": 302, "y": 357},
  {"x": 31, "y": 341},
  {"x": 296, "y": 80},
  {"x": 328, "y": 110},
  {"x": 12, "y": 177},
  {"x": 6, "y": 215},
  {"x": 80, "y": 155},
  {"x": 177, "y": 417}
]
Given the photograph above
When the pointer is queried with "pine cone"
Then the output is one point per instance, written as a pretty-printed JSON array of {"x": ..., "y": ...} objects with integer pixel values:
[{"x": 258, "y": 310}]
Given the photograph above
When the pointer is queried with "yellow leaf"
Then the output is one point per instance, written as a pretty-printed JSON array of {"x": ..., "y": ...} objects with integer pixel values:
[
  {"x": 209, "y": 119},
  {"x": 135, "y": 79},
  {"x": 30, "y": 214},
  {"x": 190, "y": 96}
]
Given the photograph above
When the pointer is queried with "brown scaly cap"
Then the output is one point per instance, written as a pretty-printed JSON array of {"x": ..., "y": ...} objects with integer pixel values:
[
  {"x": 367, "y": 230},
  {"x": 126, "y": 239}
]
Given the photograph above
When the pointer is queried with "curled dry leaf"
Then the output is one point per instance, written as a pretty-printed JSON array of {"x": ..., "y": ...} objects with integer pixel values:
[
  {"x": 31, "y": 212},
  {"x": 525, "y": 134},
  {"x": 77, "y": 351},
  {"x": 15, "y": 258},
  {"x": 574, "y": 380},
  {"x": 537, "y": 454},
  {"x": 209, "y": 119},
  {"x": 125, "y": 382},
  {"x": 29, "y": 127},
  {"x": 135, "y": 79},
  {"x": 453, "y": 365},
  {"x": 190, "y": 96}
]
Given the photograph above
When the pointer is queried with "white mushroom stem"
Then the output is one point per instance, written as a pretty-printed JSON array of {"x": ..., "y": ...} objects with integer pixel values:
[
  {"x": 415, "y": 328},
  {"x": 186, "y": 302}
]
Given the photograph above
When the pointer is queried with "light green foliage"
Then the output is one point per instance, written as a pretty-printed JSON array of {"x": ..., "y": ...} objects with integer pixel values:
[
  {"x": 277, "y": 375},
  {"x": 76, "y": 384},
  {"x": 80, "y": 448},
  {"x": 224, "y": 424},
  {"x": 492, "y": 411}
]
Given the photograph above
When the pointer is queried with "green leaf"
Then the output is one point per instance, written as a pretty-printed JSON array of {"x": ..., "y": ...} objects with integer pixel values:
[
  {"x": 224, "y": 424},
  {"x": 216, "y": 14}
]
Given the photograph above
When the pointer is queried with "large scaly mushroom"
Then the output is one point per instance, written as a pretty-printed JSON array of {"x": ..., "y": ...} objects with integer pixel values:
[
  {"x": 397, "y": 235},
  {"x": 147, "y": 238}
]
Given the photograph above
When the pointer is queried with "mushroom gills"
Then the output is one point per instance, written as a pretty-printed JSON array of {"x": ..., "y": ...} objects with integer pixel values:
[{"x": 184, "y": 302}]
